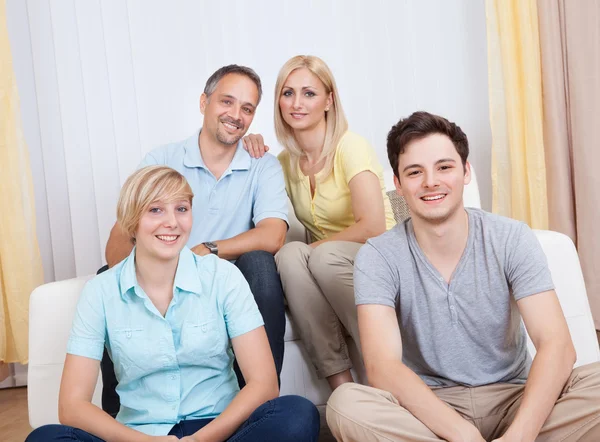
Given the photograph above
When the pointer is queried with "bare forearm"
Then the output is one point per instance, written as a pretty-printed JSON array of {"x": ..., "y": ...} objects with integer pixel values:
[
  {"x": 118, "y": 247},
  {"x": 414, "y": 395},
  {"x": 88, "y": 417},
  {"x": 550, "y": 370},
  {"x": 252, "y": 396},
  {"x": 358, "y": 232},
  {"x": 254, "y": 239}
]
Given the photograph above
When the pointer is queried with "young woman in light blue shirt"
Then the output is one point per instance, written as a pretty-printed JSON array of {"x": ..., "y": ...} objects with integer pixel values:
[{"x": 171, "y": 321}]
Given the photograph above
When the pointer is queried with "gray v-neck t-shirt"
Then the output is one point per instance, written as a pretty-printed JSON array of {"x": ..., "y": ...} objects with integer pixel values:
[{"x": 468, "y": 332}]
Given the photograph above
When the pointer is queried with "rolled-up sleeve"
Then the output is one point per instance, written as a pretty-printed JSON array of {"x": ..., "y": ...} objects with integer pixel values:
[{"x": 271, "y": 198}]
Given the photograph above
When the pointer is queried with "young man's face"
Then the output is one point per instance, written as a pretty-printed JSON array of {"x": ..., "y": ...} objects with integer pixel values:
[
  {"x": 229, "y": 110},
  {"x": 432, "y": 178}
]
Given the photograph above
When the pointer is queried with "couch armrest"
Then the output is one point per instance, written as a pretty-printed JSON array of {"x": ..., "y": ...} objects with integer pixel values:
[
  {"x": 51, "y": 310},
  {"x": 563, "y": 262}
]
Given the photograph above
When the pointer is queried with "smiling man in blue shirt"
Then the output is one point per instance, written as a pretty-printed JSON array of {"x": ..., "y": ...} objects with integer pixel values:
[{"x": 240, "y": 204}]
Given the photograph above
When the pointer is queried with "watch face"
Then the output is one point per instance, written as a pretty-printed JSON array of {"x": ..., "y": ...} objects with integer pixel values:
[{"x": 210, "y": 245}]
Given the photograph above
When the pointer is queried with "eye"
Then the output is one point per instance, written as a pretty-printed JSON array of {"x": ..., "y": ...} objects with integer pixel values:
[
  {"x": 247, "y": 110},
  {"x": 287, "y": 93},
  {"x": 310, "y": 94},
  {"x": 227, "y": 102},
  {"x": 414, "y": 172},
  {"x": 155, "y": 210},
  {"x": 445, "y": 167},
  {"x": 182, "y": 209}
]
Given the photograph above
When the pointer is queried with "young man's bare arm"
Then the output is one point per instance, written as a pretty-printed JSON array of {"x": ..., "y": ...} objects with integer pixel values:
[
  {"x": 385, "y": 370},
  {"x": 552, "y": 365},
  {"x": 118, "y": 247}
]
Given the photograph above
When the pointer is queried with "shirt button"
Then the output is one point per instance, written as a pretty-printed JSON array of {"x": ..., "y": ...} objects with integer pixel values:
[{"x": 451, "y": 307}]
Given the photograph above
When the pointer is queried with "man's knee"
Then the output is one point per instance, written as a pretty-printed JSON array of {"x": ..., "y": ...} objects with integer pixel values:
[
  {"x": 256, "y": 259},
  {"x": 342, "y": 396},
  {"x": 259, "y": 270}
]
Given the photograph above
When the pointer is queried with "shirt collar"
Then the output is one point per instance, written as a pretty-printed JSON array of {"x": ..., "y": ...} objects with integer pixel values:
[
  {"x": 186, "y": 276},
  {"x": 192, "y": 158}
]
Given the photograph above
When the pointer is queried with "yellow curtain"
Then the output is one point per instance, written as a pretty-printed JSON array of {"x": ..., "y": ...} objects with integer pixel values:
[
  {"x": 20, "y": 262},
  {"x": 516, "y": 113}
]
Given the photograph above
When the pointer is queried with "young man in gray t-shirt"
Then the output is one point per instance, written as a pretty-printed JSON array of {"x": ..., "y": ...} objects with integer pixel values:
[{"x": 440, "y": 300}]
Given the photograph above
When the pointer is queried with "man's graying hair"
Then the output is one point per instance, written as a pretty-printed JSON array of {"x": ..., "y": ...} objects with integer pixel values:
[{"x": 211, "y": 83}]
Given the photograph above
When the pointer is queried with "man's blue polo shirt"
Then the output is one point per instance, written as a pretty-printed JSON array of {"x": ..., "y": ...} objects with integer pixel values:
[
  {"x": 249, "y": 191},
  {"x": 172, "y": 368}
]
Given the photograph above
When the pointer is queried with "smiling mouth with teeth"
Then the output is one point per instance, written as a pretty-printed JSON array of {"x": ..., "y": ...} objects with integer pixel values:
[
  {"x": 231, "y": 125},
  {"x": 167, "y": 238},
  {"x": 433, "y": 198}
]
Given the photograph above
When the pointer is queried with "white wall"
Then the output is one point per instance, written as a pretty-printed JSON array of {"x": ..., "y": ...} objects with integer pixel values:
[{"x": 104, "y": 81}]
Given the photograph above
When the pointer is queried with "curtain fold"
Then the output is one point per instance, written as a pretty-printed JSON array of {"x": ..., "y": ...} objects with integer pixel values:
[
  {"x": 20, "y": 262},
  {"x": 570, "y": 43},
  {"x": 516, "y": 115}
]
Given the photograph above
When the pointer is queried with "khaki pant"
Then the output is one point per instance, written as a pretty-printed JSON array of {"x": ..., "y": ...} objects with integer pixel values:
[
  {"x": 360, "y": 413},
  {"x": 319, "y": 287}
]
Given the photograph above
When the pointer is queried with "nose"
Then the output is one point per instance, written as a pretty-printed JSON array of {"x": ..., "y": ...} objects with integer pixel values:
[
  {"x": 170, "y": 219},
  {"x": 430, "y": 180},
  {"x": 235, "y": 112},
  {"x": 297, "y": 104}
]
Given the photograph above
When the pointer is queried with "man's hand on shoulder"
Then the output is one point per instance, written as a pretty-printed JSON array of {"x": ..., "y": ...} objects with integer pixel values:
[{"x": 255, "y": 145}]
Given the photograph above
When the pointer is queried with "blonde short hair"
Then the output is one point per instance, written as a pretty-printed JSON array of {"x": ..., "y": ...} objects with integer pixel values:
[
  {"x": 337, "y": 124},
  {"x": 146, "y": 186}
]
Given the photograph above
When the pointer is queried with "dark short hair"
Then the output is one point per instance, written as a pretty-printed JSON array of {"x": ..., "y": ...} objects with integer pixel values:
[
  {"x": 419, "y": 125},
  {"x": 213, "y": 80}
]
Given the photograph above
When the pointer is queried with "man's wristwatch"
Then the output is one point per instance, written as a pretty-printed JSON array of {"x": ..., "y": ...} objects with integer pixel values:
[{"x": 212, "y": 247}]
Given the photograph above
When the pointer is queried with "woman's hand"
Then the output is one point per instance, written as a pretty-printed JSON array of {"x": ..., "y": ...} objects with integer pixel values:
[{"x": 255, "y": 145}]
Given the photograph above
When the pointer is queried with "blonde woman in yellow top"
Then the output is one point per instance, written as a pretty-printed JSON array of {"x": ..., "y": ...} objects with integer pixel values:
[{"x": 335, "y": 183}]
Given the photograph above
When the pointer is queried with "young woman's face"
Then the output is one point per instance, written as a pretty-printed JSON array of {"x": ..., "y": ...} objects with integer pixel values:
[
  {"x": 164, "y": 229},
  {"x": 304, "y": 100}
]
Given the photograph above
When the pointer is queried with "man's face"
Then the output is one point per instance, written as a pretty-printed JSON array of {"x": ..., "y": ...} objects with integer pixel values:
[
  {"x": 229, "y": 110},
  {"x": 432, "y": 178}
]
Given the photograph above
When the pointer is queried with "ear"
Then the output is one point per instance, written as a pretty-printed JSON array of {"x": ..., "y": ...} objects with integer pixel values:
[
  {"x": 467, "y": 178},
  {"x": 397, "y": 185},
  {"x": 203, "y": 102},
  {"x": 329, "y": 100}
]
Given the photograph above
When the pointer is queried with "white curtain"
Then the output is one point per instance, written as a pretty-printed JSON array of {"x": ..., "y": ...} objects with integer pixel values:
[{"x": 104, "y": 81}]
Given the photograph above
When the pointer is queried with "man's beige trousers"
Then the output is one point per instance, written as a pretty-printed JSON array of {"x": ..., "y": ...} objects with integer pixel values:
[{"x": 363, "y": 414}]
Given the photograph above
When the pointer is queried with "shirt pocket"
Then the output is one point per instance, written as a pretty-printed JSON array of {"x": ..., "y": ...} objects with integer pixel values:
[
  {"x": 130, "y": 350},
  {"x": 202, "y": 339}
]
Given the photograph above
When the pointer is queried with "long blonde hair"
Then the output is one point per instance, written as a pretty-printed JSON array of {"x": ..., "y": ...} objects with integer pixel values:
[{"x": 336, "y": 121}]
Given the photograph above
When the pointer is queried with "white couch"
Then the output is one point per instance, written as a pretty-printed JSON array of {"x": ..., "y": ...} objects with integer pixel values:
[{"x": 52, "y": 307}]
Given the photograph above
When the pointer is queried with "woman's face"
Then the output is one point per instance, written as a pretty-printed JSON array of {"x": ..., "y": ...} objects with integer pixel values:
[
  {"x": 304, "y": 100},
  {"x": 164, "y": 229}
]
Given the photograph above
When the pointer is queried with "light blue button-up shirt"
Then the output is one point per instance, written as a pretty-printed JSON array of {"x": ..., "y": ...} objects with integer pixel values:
[
  {"x": 249, "y": 191},
  {"x": 169, "y": 368}
]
